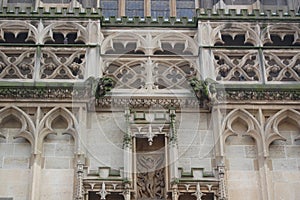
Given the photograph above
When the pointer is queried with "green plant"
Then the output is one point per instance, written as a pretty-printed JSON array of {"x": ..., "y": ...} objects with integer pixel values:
[{"x": 104, "y": 85}]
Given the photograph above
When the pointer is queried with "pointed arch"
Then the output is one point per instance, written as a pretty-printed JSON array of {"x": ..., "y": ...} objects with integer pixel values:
[
  {"x": 253, "y": 127},
  {"x": 45, "y": 128},
  {"x": 28, "y": 128},
  {"x": 46, "y": 33},
  {"x": 271, "y": 128},
  {"x": 282, "y": 30},
  {"x": 124, "y": 38},
  {"x": 250, "y": 35},
  {"x": 173, "y": 38},
  {"x": 16, "y": 26}
]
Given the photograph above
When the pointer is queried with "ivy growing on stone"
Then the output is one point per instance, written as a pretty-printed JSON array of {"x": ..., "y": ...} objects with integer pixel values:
[
  {"x": 104, "y": 85},
  {"x": 100, "y": 86},
  {"x": 205, "y": 90}
]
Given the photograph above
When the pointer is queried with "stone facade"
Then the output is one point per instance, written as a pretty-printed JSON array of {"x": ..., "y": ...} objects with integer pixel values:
[{"x": 149, "y": 108}]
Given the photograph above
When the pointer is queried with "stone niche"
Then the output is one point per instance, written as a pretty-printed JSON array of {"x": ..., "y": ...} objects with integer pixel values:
[{"x": 150, "y": 168}]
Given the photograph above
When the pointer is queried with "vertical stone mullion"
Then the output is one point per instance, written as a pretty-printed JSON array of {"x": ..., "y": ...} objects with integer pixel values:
[
  {"x": 147, "y": 7},
  {"x": 37, "y": 64},
  {"x": 206, "y": 58},
  {"x": 127, "y": 143},
  {"x": 173, "y": 148},
  {"x": 172, "y": 8},
  {"x": 122, "y": 8},
  {"x": 262, "y": 66},
  {"x": 36, "y": 165}
]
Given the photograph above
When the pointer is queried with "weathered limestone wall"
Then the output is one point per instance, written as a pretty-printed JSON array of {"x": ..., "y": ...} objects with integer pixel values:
[
  {"x": 241, "y": 161},
  {"x": 36, "y": 164},
  {"x": 195, "y": 141},
  {"x": 104, "y": 144},
  {"x": 14, "y": 162},
  {"x": 56, "y": 184},
  {"x": 285, "y": 162},
  {"x": 15, "y": 183}
]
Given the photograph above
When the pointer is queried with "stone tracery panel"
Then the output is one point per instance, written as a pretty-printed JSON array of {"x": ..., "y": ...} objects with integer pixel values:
[
  {"x": 62, "y": 64},
  {"x": 154, "y": 73},
  {"x": 282, "y": 65},
  {"x": 17, "y": 63},
  {"x": 237, "y": 65}
]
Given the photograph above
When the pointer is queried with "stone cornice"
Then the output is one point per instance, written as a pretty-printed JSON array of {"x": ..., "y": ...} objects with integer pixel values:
[{"x": 225, "y": 94}]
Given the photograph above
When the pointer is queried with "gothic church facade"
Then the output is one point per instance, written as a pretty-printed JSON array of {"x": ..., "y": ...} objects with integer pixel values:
[{"x": 147, "y": 100}]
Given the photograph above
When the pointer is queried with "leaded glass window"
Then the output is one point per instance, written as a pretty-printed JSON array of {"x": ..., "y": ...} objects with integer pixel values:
[
  {"x": 160, "y": 8},
  {"x": 110, "y": 7},
  {"x": 18, "y": 1},
  {"x": 208, "y": 4},
  {"x": 134, "y": 8},
  {"x": 274, "y": 2},
  {"x": 239, "y": 2},
  {"x": 56, "y": 1},
  {"x": 185, "y": 8}
]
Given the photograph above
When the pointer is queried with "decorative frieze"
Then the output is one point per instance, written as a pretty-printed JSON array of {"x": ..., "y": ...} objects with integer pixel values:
[
  {"x": 140, "y": 102},
  {"x": 36, "y": 93},
  {"x": 258, "y": 95}
]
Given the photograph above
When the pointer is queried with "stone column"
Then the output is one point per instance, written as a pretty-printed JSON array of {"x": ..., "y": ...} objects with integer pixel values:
[
  {"x": 222, "y": 182},
  {"x": 36, "y": 164},
  {"x": 147, "y": 8},
  {"x": 262, "y": 160},
  {"x": 173, "y": 148},
  {"x": 122, "y": 8},
  {"x": 175, "y": 192},
  {"x": 126, "y": 193},
  {"x": 127, "y": 143},
  {"x": 206, "y": 57},
  {"x": 93, "y": 67},
  {"x": 79, "y": 188},
  {"x": 35, "y": 176}
]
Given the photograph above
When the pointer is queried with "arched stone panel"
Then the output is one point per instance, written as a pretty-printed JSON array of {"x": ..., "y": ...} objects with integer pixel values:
[
  {"x": 240, "y": 122},
  {"x": 58, "y": 144},
  {"x": 16, "y": 142}
]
